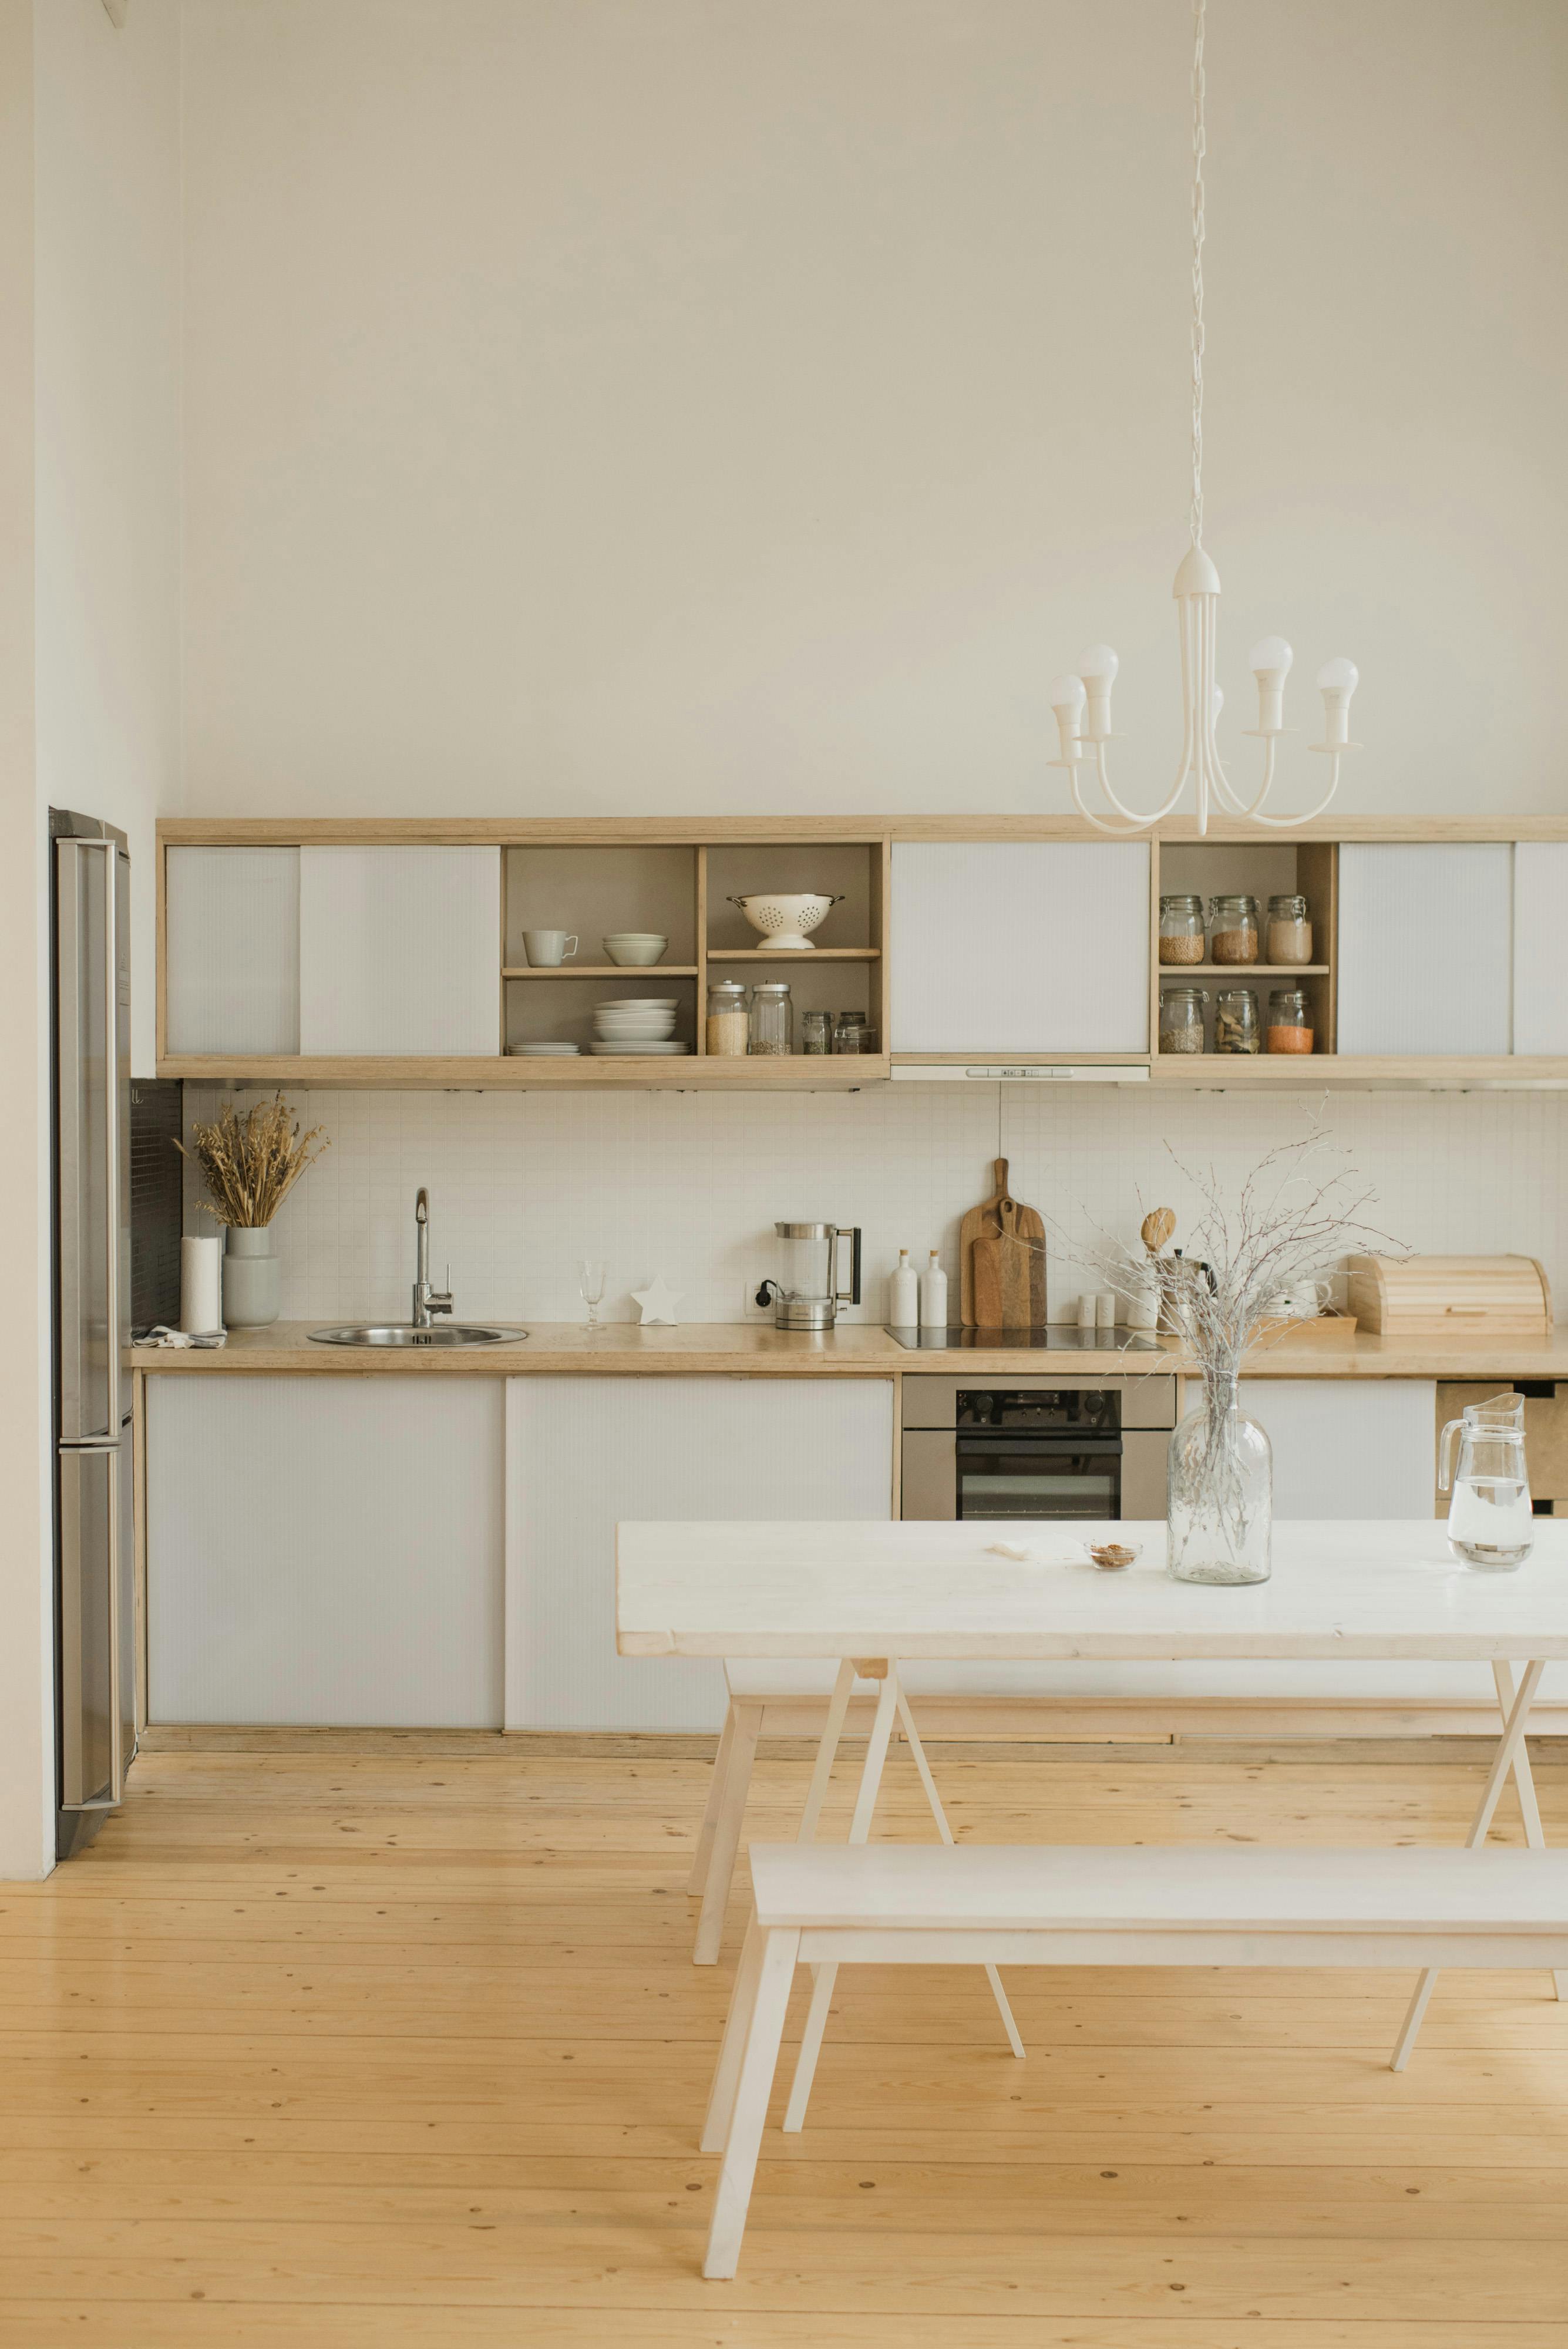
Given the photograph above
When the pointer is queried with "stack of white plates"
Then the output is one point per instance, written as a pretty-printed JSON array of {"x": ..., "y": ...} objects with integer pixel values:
[
  {"x": 634, "y": 1024},
  {"x": 545, "y": 1051}
]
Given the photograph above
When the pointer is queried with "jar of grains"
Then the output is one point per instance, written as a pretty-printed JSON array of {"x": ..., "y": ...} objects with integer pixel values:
[
  {"x": 1233, "y": 929},
  {"x": 728, "y": 1029},
  {"x": 816, "y": 1032},
  {"x": 1290, "y": 932},
  {"x": 1181, "y": 929},
  {"x": 773, "y": 1021},
  {"x": 1182, "y": 1018},
  {"x": 1290, "y": 1027},
  {"x": 1236, "y": 1025}
]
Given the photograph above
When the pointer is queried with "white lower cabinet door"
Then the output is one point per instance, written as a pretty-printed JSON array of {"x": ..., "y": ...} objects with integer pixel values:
[
  {"x": 325, "y": 1550},
  {"x": 584, "y": 1453},
  {"x": 1347, "y": 1447}
]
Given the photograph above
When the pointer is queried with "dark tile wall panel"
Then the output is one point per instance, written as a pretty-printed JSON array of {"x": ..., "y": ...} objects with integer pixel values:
[{"x": 156, "y": 1202}]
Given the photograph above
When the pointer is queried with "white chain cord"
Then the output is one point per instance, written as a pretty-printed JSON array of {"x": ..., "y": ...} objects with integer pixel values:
[{"x": 1199, "y": 149}]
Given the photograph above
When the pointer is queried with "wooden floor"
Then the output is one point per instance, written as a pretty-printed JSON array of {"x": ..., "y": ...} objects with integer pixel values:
[{"x": 360, "y": 2045}]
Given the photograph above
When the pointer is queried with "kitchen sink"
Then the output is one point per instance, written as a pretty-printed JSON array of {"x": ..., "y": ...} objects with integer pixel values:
[{"x": 403, "y": 1334}]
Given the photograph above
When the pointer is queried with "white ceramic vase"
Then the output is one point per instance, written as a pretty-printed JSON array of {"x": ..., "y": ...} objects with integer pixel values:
[{"x": 252, "y": 1278}]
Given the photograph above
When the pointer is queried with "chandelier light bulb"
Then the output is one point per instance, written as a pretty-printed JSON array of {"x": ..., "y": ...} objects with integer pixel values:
[
  {"x": 1270, "y": 660},
  {"x": 1067, "y": 699},
  {"x": 1337, "y": 680},
  {"x": 1097, "y": 666}
]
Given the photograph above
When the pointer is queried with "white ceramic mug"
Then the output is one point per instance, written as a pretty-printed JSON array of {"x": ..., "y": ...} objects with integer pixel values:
[
  {"x": 1303, "y": 1301},
  {"x": 546, "y": 948}
]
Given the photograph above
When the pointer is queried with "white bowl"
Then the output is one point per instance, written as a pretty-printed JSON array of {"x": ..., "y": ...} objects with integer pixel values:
[
  {"x": 783, "y": 918},
  {"x": 637, "y": 1003},
  {"x": 635, "y": 946},
  {"x": 656, "y": 1023}
]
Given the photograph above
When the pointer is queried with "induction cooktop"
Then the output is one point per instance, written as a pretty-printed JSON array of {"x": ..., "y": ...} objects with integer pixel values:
[{"x": 1060, "y": 1337}]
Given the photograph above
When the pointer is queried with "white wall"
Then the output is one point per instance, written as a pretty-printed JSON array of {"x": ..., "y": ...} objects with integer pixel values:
[
  {"x": 88, "y": 665},
  {"x": 108, "y": 434},
  {"x": 690, "y": 1184},
  {"x": 611, "y": 405}
]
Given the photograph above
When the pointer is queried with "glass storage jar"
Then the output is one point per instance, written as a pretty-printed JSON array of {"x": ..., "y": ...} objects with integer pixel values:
[
  {"x": 728, "y": 1029},
  {"x": 1290, "y": 932},
  {"x": 1182, "y": 1018},
  {"x": 1233, "y": 929},
  {"x": 1182, "y": 934},
  {"x": 847, "y": 1033},
  {"x": 1235, "y": 1021},
  {"x": 816, "y": 1032},
  {"x": 1290, "y": 1024},
  {"x": 773, "y": 1021}
]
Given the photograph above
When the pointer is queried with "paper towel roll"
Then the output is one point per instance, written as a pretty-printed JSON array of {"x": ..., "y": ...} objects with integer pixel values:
[{"x": 201, "y": 1284}]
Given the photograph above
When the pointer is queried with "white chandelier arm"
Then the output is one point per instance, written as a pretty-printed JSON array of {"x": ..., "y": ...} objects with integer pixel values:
[{"x": 1284, "y": 822}]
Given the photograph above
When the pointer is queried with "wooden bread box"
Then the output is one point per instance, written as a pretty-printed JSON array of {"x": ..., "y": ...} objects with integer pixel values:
[{"x": 1437, "y": 1296}]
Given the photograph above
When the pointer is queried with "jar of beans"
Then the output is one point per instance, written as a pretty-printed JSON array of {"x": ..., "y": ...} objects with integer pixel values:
[
  {"x": 1290, "y": 932},
  {"x": 1181, "y": 937},
  {"x": 1233, "y": 929},
  {"x": 1182, "y": 1018},
  {"x": 1236, "y": 1027},
  {"x": 1290, "y": 1027}
]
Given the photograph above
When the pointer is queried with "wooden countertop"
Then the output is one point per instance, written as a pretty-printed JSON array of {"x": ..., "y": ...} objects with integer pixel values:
[{"x": 855, "y": 1350}]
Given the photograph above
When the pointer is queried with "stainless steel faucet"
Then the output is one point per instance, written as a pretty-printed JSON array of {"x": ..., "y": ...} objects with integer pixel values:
[{"x": 427, "y": 1300}]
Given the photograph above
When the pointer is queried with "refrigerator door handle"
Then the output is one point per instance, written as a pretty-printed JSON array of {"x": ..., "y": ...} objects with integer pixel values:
[{"x": 109, "y": 850}]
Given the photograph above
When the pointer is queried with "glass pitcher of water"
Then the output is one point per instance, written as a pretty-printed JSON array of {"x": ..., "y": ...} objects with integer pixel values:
[{"x": 1491, "y": 1520}]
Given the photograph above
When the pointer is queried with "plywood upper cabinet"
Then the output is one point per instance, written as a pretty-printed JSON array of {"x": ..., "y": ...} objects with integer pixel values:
[
  {"x": 232, "y": 922},
  {"x": 1426, "y": 962},
  {"x": 1002, "y": 947},
  {"x": 1539, "y": 947},
  {"x": 400, "y": 952}
]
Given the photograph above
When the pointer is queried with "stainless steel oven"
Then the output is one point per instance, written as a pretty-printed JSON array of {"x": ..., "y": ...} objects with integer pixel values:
[{"x": 1028, "y": 1449}]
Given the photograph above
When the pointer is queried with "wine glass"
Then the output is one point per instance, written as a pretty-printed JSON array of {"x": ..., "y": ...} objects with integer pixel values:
[{"x": 591, "y": 1287}]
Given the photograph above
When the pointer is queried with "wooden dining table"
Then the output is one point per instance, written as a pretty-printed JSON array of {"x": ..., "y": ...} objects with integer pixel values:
[{"x": 874, "y": 1596}]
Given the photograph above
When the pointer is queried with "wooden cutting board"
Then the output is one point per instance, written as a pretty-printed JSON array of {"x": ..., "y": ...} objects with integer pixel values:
[
  {"x": 1001, "y": 1255},
  {"x": 981, "y": 1223}
]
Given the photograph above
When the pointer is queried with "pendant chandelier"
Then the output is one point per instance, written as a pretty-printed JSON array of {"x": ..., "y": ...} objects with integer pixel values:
[{"x": 1082, "y": 701}]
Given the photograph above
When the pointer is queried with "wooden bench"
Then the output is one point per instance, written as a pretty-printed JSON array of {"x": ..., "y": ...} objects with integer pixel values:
[{"x": 830, "y": 1905}]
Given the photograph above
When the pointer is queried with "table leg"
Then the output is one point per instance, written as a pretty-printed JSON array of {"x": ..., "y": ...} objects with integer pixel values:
[
  {"x": 946, "y": 1833},
  {"x": 726, "y": 1839},
  {"x": 1524, "y": 1785},
  {"x": 821, "y": 1768},
  {"x": 1502, "y": 1764},
  {"x": 859, "y": 1828}
]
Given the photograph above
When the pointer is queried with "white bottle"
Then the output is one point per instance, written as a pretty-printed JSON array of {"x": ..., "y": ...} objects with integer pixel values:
[
  {"x": 904, "y": 1295},
  {"x": 934, "y": 1295}
]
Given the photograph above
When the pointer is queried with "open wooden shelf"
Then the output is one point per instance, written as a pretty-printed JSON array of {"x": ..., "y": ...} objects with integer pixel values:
[
  {"x": 514, "y": 1072},
  {"x": 602, "y": 970},
  {"x": 1178, "y": 972},
  {"x": 794, "y": 954}
]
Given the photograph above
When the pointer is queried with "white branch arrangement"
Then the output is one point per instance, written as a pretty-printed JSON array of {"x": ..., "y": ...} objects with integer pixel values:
[{"x": 1296, "y": 1213}]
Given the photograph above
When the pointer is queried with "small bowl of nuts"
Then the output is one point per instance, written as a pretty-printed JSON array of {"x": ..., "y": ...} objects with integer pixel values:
[{"x": 1112, "y": 1556}]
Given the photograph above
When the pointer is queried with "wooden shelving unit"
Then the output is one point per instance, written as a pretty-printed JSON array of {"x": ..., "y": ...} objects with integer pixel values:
[{"x": 677, "y": 878}]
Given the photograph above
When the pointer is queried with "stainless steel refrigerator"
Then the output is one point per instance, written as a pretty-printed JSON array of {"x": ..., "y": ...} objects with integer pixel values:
[{"x": 94, "y": 1586}]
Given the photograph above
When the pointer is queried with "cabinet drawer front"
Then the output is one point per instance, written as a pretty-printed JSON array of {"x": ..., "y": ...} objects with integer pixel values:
[{"x": 1009, "y": 947}]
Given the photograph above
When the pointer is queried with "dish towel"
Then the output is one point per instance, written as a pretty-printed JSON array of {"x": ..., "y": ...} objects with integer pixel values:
[{"x": 163, "y": 1336}]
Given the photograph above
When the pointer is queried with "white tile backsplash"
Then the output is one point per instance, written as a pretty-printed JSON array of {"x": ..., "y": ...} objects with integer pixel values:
[{"x": 690, "y": 1184}]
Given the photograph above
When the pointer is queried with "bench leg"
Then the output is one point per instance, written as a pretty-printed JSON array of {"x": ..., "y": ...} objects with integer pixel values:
[
  {"x": 946, "y": 1833},
  {"x": 1524, "y": 1785},
  {"x": 754, "y": 2087},
  {"x": 859, "y": 1828},
  {"x": 743, "y": 1998},
  {"x": 698, "y": 1878},
  {"x": 726, "y": 1840},
  {"x": 1502, "y": 1764}
]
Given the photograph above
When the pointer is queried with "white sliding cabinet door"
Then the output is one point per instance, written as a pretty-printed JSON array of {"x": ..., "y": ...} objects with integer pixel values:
[
  {"x": 584, "y": 1453},
  {"x": 1004, "y": 946},
  {"x": 231, "y": 948},
  {"x": 1540, "y": 945},
  {"x": 1425, "y": 959},
  {"x": 400, "y": 952},
  {"x": 325, "y": 1551}
]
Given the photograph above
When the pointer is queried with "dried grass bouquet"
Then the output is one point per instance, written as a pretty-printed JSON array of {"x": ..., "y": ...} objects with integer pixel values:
[{"x": 251, "y": 1164}]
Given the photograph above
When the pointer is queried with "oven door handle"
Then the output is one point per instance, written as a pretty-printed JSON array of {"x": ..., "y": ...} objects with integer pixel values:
[{"x": 1036, "y": 1447}]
